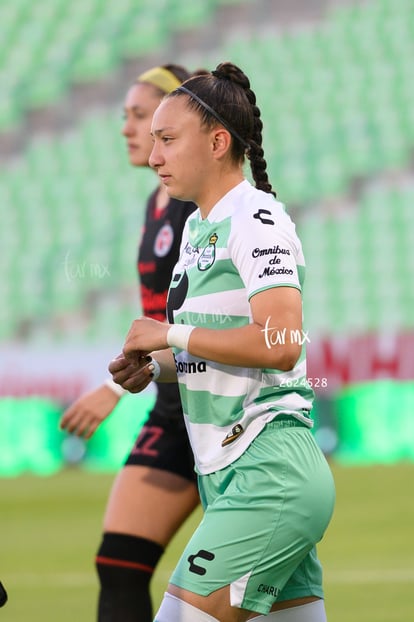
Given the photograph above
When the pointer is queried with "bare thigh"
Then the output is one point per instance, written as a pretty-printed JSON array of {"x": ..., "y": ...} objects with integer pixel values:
[
  {"x": 149, "y": 503},
  {"x": 217, "y": 604}
]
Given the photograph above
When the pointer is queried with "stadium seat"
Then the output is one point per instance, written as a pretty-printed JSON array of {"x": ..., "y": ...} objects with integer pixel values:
[
  {"x": 11, "y": 113},
  {"x": 61, "y": 44},
  {"x": 337, "y": 106}
]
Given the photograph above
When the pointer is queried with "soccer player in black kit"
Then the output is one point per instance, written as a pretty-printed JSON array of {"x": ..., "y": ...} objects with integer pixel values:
[{"x": 156, "y": 490}]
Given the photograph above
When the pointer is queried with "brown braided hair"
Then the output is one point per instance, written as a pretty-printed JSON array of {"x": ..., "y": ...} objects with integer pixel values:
[{"x": 229, "y": 99}]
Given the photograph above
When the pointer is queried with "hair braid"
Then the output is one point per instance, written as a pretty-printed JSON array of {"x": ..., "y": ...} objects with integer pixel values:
[{"x": 255, "y": 152}]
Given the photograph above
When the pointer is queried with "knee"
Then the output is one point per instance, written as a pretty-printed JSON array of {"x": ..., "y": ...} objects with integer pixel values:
[{"x": 123, "y": 559}]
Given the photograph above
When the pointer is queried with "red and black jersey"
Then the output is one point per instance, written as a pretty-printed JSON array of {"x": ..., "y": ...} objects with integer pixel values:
[
  {"x": 157, "y": 256},
  {"x": 158, "y": 253}
]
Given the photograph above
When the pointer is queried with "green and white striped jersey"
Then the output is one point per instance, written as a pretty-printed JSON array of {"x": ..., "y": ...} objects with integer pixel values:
[{"x": 246, "y": 244}]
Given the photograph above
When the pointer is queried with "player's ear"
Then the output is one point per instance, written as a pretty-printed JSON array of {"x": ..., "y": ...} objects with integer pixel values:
[{"x": 221, "y": 142}]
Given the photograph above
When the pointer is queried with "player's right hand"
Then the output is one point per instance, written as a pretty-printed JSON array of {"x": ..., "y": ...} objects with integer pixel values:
[{"x": 85, "y": 415}]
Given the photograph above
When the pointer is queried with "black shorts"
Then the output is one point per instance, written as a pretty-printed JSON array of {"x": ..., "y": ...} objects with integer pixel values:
[{"x": 163, "y": 444}]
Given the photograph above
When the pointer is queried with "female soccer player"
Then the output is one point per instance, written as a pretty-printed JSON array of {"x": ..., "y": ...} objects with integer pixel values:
[
  {"x": 156, "y": 490},
  {"x": 234, "y": 342}
]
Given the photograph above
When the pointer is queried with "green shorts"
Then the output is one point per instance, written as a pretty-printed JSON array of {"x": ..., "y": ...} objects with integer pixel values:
[{"x": 263, "y": 516}]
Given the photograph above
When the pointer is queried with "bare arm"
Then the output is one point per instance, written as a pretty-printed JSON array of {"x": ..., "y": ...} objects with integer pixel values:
[
  {"x": 85, "y": 415},
  {"x": 275, "y": 311},
  {"x": 266, "y": 342}
]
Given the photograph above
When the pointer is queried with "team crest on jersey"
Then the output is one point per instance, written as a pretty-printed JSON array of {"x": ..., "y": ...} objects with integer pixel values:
[
  {"x": 164, "y": 241},
  {"x": 208, "y": 256}
]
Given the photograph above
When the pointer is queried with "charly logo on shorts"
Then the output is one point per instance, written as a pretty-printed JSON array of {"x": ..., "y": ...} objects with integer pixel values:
[
  {"x": 268, "y": 589},
  {"x": 232, "y": 435},
  {"x": 202, "y": 554}
]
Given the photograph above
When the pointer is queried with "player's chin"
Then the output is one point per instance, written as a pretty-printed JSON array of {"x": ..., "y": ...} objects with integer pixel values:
[
  {"x": 175, "y": 192},
  {"x": 171, "y": 190}
]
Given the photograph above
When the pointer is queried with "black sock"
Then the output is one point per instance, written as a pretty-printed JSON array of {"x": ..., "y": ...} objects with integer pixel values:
[{"x": 125, "y": 565}]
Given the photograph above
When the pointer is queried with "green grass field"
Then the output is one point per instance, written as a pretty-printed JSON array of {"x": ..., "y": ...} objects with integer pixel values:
[{"x": 50, "y": 529}]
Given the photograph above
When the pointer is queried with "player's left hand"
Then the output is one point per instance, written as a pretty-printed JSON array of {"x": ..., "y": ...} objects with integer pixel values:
[
  {"x": 133, "y": 374},
  {"x": 145, "y": 335}
]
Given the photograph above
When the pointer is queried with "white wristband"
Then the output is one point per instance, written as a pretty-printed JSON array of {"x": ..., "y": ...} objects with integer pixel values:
[
  {"x": 156, "y": 371},
  {"x": 115, "y": 388},
  {"x": 179, "y": 334}
]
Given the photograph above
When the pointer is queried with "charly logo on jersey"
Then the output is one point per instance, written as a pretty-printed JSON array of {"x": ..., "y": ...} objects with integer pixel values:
[
  {"x": 208, "y": 256},
  {"x": 262, "y": 215},
  {"x": 164, "y": 241}
]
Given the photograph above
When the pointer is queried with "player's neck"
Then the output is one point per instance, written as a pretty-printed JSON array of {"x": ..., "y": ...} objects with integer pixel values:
[{"x": 161, "y": 199}]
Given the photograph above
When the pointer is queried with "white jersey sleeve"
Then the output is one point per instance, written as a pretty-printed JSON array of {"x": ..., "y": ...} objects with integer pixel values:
[{"x": 264, "y": 246}]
